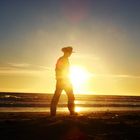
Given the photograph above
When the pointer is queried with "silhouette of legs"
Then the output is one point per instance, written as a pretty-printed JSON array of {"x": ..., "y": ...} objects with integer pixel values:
[
  {"x": 55, "y": 100},
  {"x": 71, "y": 105},
  {"x": 67, "y": 86}
]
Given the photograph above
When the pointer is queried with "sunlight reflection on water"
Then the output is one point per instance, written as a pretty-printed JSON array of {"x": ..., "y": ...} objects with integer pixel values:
[
  {"x": 65, "y": 109},
  {"x": 78, "y": 109}
]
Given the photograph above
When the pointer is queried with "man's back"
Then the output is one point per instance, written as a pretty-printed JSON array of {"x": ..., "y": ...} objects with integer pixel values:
[{"x": 62, "y": 68}]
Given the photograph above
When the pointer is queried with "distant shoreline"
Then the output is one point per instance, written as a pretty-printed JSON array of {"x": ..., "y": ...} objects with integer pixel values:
[{"x": 33, "y": 93}]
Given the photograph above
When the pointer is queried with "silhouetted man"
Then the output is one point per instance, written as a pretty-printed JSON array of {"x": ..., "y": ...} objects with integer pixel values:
[{"x": 63, "y": 82}]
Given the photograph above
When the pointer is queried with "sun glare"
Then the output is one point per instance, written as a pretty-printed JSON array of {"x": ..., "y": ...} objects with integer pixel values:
[
  {"x": 78, "y": 109},
  {"x": 78, "y": 76}
]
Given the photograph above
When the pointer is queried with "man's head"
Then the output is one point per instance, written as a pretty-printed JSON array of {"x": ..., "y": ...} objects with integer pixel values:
[{"x": 67, "y": 51}]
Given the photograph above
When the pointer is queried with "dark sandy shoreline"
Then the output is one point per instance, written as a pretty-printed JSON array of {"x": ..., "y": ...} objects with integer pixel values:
[{"x": 95, "y": 126}]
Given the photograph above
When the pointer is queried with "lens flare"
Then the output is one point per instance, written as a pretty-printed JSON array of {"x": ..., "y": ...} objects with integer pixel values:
[{"x": 79, "y": 77}]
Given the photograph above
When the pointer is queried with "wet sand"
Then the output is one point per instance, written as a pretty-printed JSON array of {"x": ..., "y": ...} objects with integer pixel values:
[{"x": 88, "y": 126}]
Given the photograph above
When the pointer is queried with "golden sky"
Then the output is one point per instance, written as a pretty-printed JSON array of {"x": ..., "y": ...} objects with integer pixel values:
[{"x": 105, "y": 36}]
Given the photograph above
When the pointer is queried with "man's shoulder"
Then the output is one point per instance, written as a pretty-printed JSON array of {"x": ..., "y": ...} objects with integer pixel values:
[{"x": 62, "y": 58}]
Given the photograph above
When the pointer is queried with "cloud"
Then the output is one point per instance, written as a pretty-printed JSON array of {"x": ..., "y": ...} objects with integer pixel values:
[
  {"x": 32, "y": 69},
  {"x": 23, "y": 68},
  {"x": 115, "y": 76},
  {"x": 19, "y": 65}
]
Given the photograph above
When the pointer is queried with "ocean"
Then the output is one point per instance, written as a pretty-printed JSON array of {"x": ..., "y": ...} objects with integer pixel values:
[{"x": 35, "y": 102}]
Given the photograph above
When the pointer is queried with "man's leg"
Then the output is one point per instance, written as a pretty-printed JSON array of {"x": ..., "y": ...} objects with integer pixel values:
[
  {"x": 71, "y": 98},
  {"x": 55, "y": 100}
]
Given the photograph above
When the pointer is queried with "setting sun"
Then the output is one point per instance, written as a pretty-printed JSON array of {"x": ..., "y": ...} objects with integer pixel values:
[{"x": 78, "y": 76}]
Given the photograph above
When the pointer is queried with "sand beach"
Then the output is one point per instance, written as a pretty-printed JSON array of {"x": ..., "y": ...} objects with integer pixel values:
[{"x": 88, "y": 126}]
